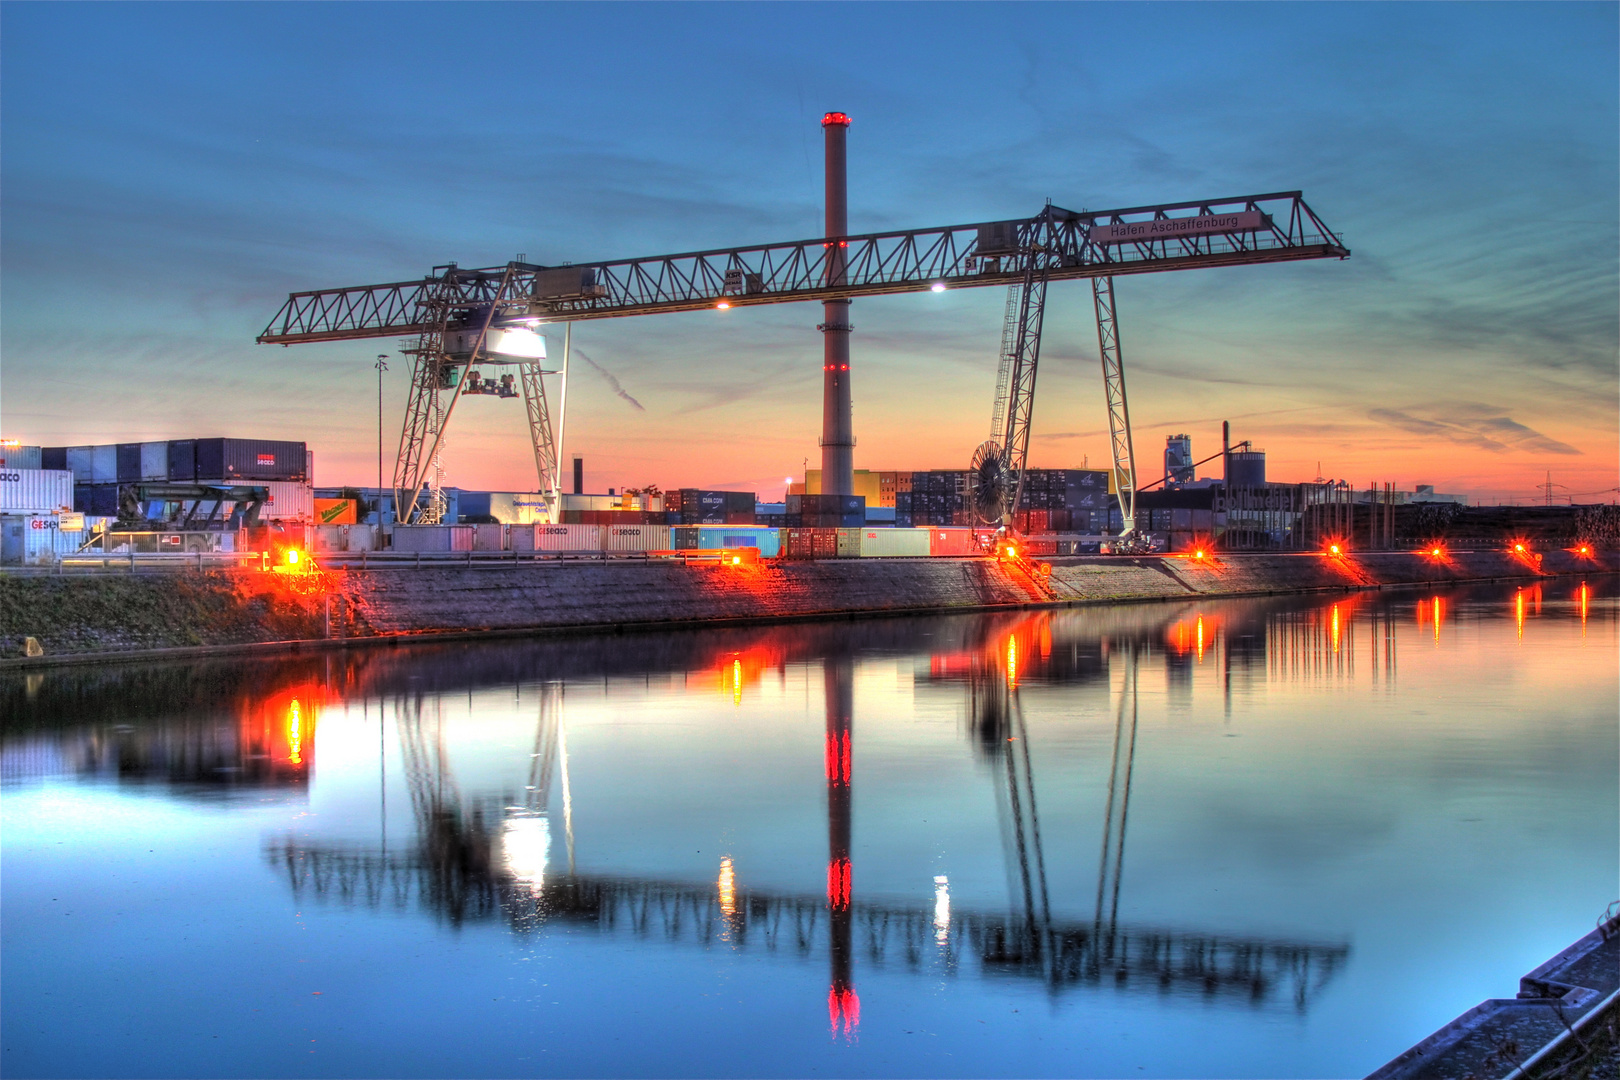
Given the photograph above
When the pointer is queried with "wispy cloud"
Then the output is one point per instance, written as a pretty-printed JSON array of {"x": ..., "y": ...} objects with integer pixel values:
[{"x": 1475, "y": 425}]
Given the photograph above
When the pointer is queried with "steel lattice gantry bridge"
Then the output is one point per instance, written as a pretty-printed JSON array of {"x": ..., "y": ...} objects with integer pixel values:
[{"x": 453, "y": 310}]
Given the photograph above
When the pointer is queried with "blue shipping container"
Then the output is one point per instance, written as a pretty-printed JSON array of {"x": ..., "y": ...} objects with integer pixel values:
[{"x": 715, "y": 537}]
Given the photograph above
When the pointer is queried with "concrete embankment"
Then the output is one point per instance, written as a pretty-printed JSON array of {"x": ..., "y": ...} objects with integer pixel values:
[{"x": 111, "y": 614}]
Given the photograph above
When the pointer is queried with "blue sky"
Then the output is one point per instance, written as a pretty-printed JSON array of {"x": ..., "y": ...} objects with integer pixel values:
[{"x": 169, "y": 172}]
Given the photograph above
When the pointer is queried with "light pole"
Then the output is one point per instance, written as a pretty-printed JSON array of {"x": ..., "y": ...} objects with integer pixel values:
[{"x": 382, "y": 366}]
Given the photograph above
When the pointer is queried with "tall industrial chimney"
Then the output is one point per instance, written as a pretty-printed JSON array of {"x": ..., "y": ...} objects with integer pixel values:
[{"x": 837, "y": 421}]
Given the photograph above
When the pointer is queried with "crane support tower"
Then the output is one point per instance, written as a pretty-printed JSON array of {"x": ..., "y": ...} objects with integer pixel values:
[{"x": 457, "y": 315}]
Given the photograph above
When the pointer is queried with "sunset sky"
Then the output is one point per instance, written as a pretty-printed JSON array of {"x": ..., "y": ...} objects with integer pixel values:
[{"x": 168, "y": 173}]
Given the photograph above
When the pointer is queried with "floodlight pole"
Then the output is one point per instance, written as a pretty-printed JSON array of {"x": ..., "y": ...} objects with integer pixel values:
[
  {"x": 562, "y": 419},
  {"x": 381, "y": 366}
]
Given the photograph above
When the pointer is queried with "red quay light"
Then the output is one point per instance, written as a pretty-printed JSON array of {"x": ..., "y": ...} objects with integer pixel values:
[{"x": 838, "y": 118}]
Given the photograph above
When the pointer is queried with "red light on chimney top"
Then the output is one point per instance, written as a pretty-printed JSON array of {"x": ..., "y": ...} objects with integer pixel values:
[{"x": 832, "y": 118}]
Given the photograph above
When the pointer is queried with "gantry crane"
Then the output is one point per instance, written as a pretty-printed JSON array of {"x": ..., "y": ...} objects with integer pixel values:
[{"x": 455, "y": 314}]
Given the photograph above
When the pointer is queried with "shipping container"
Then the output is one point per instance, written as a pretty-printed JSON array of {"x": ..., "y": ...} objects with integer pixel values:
[
  {"x": 182, "y": 460},
  {"x": 713, "y": 538},
  {"x": 336, "y": 512},
  {"x": 128, "y": 469},
  {"x": 79, "y": 464},
  {"x": 809, "y": 543},
  {"x": 894, "y": 543},
  {"x": 952, "y": 541},
  {"x": 250, "y": 460},
  {"x": 556, "y": 538},
  {"x": 22, "y": 457},
  {"x": 433, "y": 538},
  {"x": 329, "y": 538},
  {"x": 849, "y": 543},
  {"x": 739, "y": 502},
  {"x": 489, "y": 537},
  {"x": 99, "y": 499},
  {"x": 344, "y": 538},
  {"x": 154, "y": 462},
  {"x": 34, "y": 540},
  {"x": 287, "y": 501},
  {"x": 35, "y": 491},
  {"x": 104, "y": 464},
  {"x": 53, "y": 457},
  {"x": 624, "y": 538}
]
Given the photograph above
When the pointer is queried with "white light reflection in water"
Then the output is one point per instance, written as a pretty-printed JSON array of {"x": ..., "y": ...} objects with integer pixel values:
[
  {"x": 728, "y": 887},
  {"x": 942, "y": 909},
  {"x": 526, "y": 846}
]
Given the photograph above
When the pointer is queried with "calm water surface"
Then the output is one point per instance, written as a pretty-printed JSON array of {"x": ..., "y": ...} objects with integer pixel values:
[{"x": 1243, "y": 838}]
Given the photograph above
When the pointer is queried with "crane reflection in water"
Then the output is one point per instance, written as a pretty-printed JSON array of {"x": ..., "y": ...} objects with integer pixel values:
[{"x": 511, "y": 858}]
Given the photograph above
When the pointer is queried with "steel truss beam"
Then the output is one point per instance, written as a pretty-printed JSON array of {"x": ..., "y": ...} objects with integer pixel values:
[{"x": 874, "y": 264}]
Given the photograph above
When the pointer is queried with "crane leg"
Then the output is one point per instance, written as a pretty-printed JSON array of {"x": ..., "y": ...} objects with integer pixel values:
[
  {"x": 998, "y": 464},
  {"x": 545, "y": 447},
  {"x": 1021, "y": 385},
  {"x": 424, "y": 422},
  {"x": 427, "y": 413},
  {"x": 1119, "y": 414}
]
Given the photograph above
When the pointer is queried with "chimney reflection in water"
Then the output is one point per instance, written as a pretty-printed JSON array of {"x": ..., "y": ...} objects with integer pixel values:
[{"x": 843, "y": 1006}]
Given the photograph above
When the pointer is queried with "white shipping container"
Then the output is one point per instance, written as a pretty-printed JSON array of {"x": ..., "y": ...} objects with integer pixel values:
[
  {"x": 557, "y": 538},
  {"x": 154, "y": 460},
  {"x": 361, "y": 537},
  {"x": 289, "y": 500},
  {"x": 19, "y": 457},
  {"x": 35, "y": 491},
  {"x": 433, "y": 538},
  {"x": 34, "y": 540},
  {"x": 489, "y": 537},
  {"x": 635, "y": 537},
  {"x": 79, "y": 463},
  {"x": 331, "y": 538},
  {"x": 104, "y": 464},
  {"x": 894, "y": 543}
]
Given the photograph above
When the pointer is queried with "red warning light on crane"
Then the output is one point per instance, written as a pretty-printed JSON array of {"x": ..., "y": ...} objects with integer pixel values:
[{"x": 838, "y": 118}]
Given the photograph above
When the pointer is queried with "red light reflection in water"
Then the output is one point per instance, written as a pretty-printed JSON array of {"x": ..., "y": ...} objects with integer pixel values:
[
  {"x": 295, "y": 733},
  {"x": 1584, "y": 595},
  {"x": 838, "y": 758},
  {"x": 843, "y": 1010},
  {"x": 1518, "y": 612},
  {"x": 1439, "y": 612},
  {"x": 1335, "y": 628},
  {"x": 838, "y": 884}
]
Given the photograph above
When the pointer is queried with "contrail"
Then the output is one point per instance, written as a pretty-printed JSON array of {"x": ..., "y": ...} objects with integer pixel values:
[{"x": 612, "y": 381}]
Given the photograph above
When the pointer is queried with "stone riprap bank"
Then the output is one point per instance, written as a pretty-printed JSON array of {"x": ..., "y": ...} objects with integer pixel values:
[{"x": 104, "y": 613}]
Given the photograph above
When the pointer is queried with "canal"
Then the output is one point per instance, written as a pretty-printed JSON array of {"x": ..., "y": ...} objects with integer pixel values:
[{"x": 1282, "y": 837}]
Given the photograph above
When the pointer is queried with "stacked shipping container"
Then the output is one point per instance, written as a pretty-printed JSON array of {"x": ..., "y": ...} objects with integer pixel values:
[{"x": 99, "y": 472}]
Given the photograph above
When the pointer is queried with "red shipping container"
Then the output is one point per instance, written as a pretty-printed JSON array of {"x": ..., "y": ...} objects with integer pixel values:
[{"x": 952, "y": 541}]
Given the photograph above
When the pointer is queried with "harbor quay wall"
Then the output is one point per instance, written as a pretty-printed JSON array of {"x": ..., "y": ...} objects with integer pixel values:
[{"x": 87, "y": 615}]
